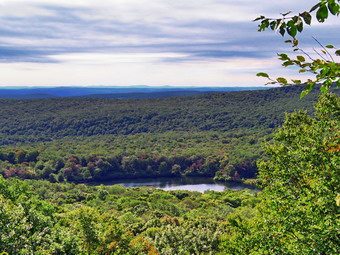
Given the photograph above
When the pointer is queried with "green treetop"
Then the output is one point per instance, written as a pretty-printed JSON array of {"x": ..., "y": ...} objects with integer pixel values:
[{"x": 300, "y": 175}]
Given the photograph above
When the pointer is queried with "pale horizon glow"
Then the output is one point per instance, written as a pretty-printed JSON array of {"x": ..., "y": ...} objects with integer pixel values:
[{"x": 139, "y": 42}]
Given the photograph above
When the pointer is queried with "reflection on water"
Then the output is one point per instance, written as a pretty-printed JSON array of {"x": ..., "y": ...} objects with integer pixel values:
[{"x": 200, "y": 184}]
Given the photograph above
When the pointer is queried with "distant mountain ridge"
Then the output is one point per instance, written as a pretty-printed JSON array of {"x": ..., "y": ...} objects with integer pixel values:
[
  {"x": 113, "y": 92},
  {"x": 53, "y": 118}
]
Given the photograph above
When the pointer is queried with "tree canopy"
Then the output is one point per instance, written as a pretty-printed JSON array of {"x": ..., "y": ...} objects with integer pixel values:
[{"x": 299, "y": 213}]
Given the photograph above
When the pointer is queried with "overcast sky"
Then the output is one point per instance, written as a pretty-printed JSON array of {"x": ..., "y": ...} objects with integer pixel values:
[{"x": 145, "y": 42}]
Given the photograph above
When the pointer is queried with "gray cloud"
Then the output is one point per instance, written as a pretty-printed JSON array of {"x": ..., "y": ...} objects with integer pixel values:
[
  {"x": 9, "y": 55},
  {"x": 70, "y": 30}
]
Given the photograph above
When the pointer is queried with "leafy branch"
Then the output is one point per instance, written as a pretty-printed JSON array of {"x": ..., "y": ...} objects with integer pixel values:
[{"x": 325, "y": 69}]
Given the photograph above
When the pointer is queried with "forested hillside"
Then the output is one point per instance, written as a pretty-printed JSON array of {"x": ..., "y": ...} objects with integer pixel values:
[
  {"x": 108, "y": 157},
  {"x": 82, "y": 140},
  {"x": 46, "y": 119},
  {"x": 39, "y": 217}
]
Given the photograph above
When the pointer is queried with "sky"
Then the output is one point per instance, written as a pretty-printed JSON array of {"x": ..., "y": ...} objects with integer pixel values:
[{"x": 146, "y": 42}]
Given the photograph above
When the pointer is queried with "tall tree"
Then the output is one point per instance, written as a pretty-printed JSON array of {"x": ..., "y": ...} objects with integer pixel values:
[{"x": 301, "y": 176}]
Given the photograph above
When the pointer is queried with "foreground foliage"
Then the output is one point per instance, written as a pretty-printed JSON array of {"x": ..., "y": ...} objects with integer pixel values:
[
  {"x": 301, "y": 181},
  {"x": 322, "y": 64},
  {"x": 38, "y": 217},
  {"x": 300, "y": 209}
]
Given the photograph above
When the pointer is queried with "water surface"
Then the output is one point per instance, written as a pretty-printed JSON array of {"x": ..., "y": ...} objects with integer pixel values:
[{"x": 200, "y": 184}]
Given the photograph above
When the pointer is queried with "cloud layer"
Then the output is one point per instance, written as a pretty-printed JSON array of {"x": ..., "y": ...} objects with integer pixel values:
[{"x": 155, "y": 42}]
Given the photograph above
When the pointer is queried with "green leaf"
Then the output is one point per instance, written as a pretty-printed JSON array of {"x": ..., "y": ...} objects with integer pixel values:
[
  {"x": 273, "y": 25},
  {"x": 264, "y": 24},
  {"x": 287, "y": 63},
  {"x": 282, "y": 31},
  {"x": 337, "y": 53},
  {"x": 337, "y": 200},
  {"x": 324, "y": 89},
  {"x": 259, "y": 18},
  {"x": 303, "y": 94},
  {"x": 301, "y": 58},
  {"x": 328, "y": 83},
  {"x": 279, "y": 23},
  {"x": 322, "y": 13},
  {"x": 285, "y": 14},
  {"x": 315, "y": 7},
  {"x": 333, "y": 7},
  {"x": 297, "y": 81},
  {"x": 282, "y": 80},
  {"x": 295, "y": 42},
  {"x": 271, "y": 83},
  {"x": 262, "y": 75},
  {"x": 292, "y": 30},
  {"x": 283, "y": 56},
  {"x": 306, "y": 17},
  {"x": 329, "y": 46},
  {"x": 308, "y": 88},
  {"x": 299, "y": 26}
]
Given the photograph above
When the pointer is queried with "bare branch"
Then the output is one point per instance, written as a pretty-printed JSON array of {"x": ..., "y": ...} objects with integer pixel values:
[
  {"x": 330, "y": 55},
  {"x": 320, "y": 55}
]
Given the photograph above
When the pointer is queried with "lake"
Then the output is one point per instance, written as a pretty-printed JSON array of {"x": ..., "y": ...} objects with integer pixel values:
[{"x": 200, "y": 184}]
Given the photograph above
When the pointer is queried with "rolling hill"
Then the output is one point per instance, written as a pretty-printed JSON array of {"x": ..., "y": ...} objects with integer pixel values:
[{"x": 54, "y": 118}]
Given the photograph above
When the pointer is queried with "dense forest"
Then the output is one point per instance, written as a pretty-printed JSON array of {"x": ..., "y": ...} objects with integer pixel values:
[
  {"x": 47, "y": 119},
  {"x": 103, "y": 158},
  {"x": 82, "y": 140},
  {"x": 295, "y": 158},
  {"x": 38, "y": 217}
]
